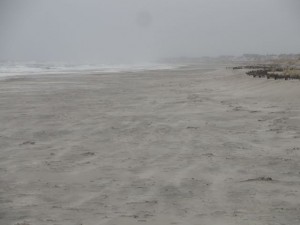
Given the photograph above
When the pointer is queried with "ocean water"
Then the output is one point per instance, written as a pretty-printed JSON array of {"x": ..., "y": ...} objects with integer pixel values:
[{"x": 35, "y": 68}]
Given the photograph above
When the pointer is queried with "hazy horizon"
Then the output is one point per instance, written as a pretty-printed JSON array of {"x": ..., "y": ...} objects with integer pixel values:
[{"x": 127, "y": 31}]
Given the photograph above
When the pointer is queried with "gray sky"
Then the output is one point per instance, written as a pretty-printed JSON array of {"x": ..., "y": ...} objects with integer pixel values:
[{"x": 140, "y": 30}]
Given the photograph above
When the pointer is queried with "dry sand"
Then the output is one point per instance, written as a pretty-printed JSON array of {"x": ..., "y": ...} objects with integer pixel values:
[{"x": 188, "y": 146}]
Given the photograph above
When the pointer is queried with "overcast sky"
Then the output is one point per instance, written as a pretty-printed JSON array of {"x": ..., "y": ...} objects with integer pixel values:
[{"x": 140, "y": 30}]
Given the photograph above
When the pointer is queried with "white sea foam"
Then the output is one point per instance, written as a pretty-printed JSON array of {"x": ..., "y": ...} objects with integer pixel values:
[{"x": 34, "y": 68}]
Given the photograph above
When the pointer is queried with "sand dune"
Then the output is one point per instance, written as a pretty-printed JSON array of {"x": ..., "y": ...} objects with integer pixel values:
[{"x": 202, "y": 146}]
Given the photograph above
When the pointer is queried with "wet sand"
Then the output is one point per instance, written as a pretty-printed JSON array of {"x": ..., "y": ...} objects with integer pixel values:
[{"x": 188, "y": 146}]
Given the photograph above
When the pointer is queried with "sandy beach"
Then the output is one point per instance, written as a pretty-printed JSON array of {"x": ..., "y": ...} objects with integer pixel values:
[{"x": 198, "y": 145}]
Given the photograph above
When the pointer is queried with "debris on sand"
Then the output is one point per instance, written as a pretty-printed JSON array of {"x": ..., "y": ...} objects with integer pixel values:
[
  {"x": 208, "y": 154},
  {"x": 259, "y": 179},
  {"x": 88, "y": 154},
  {"x": 28, "y": 143}
]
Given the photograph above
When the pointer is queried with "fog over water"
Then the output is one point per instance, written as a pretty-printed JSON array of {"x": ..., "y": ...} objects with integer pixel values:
[{"x": 127, "y": 31}]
